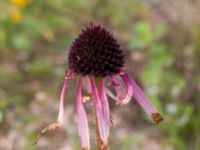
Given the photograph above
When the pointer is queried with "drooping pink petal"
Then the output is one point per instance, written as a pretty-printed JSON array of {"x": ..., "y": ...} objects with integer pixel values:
[
  {"x": 82, "y": 121},
  {"x": 61, "y": 103},
  {"x": 70, "y": 75},
  {"x": 105, "y": 105},
  {"x": 88, "y": 85},
  {"x": 102, "y": 112},
  {"x": 143, "y": 100}
]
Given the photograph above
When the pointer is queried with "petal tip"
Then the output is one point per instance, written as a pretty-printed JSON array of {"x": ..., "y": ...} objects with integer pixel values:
[{"x": 157, "y": 118}]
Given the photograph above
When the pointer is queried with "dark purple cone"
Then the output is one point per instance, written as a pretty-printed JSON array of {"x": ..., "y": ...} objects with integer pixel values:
[{"x": 95, "y": 52}]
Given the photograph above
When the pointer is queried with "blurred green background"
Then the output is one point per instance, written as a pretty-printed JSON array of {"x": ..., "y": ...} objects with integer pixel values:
[{"x": 161, "y": 43}]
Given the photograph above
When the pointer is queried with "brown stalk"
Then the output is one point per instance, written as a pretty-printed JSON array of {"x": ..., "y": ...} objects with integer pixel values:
[{"x": 100, "y": 144}]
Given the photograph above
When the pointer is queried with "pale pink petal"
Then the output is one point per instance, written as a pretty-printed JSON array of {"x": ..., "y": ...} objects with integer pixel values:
[
  {"x": 109, "y": 93},
  {"x": 82, "y": 121},
  {"x": 88, "y": 85},
  {"x": 61, "y": 104},
  {"x": 105, "y": 104},
  {"x": 102, "y": 112},
  {"x": 70, "y": 75},
  {"x": 143, "y": 100}
]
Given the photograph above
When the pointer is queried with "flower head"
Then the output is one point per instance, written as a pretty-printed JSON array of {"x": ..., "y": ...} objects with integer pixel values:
[
  {"x": 95, "y": 52},
  {"x": 94, "y": 56}
]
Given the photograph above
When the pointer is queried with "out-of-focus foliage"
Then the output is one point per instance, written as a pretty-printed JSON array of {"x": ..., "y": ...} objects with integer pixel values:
[{"x": 161, "y": 51}]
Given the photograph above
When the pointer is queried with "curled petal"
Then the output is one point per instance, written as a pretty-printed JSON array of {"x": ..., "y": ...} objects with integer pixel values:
[
  {"x": 144, "y": 101},
  {"x": 82, "y": 120},
  {"x": 123, "y": 89},
  {"x": 129, "y": 93},
  {"x": 102, "y": 113},
  {"x": 117, "y": 84}
]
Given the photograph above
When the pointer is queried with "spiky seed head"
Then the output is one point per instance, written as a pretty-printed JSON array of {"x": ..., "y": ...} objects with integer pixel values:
[{"x": 95, "y": 52}]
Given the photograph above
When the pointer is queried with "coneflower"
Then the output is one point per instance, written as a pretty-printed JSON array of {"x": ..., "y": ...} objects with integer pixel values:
[{"x": 94, "y": 56}]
